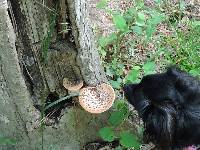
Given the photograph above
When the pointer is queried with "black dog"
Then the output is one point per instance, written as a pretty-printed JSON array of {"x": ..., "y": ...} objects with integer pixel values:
[{"x": 169, "y": 105}]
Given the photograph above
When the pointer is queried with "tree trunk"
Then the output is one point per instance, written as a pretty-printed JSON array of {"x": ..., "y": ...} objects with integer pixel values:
[{"x": 34, "y": 60}]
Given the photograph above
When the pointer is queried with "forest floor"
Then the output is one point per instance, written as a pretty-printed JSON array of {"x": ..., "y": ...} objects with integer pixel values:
[{"x": 137, "y": 38}]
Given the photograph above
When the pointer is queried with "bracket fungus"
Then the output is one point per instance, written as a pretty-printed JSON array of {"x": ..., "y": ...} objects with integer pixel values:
[
  {"x": 72, "y": 86},
  {"x": 97, "y": 99}
]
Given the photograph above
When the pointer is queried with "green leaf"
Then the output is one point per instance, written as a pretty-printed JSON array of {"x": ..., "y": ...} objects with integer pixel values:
[
  {"x": 101, "y": 4},
  {"x": 120, "y": 65},
  {"x": 132, "y": 75},
  {"x": 130, "y": 13},
  {"x": 107, "y": 134},
  {"x": 141, "y": 16},
  {"x": 137, "y": 30},
  {"x": 140, "y": 20},
  {"x": 194, "y": 72},
  {"x": 112, "y": 38},
  {"x": 122, "y": 106},
  {"x": 119, "y": 80},
  {"x": 129, "y": 140},
  {"x": 116, "y": 118},
  {"x": 120, "y": 22},
  {"x": 115, "y": 84},
  {"x": 149, "y": 68},
  {"x": 110, "y": 72},
  {"x": 158, "y": 1},
  {"x": 139, "y": 4},
  {"x": 182, "y": 5},
  {"x": 120, "y": 114},
  {"x": 103, "y": 41},
  {"x": 150, "y": 30},
  {"x": 140, "y": 23},
  {"x": 102, "y": 52},
  {"x": 7, "y": 141},
  {"x": 156, "y": 19},
  {"x": 195, "y": 23}
]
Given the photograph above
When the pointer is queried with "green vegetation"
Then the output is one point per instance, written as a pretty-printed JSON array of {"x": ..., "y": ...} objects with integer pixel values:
[
  {"x": 47, "y": 39},
  {"x": 184, "y": 48},
  {"x": 114, "y": 130},
  {"x": 162, "y": 34},
  {"x": 7, "y": 141}
]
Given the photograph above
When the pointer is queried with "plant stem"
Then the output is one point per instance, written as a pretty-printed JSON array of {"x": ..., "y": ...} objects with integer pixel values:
[{"x": 60, "y": 100}]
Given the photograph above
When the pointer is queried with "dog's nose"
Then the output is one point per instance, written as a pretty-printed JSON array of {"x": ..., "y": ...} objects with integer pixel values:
[
  {"x": 128, "y": 90},
  {"x": 128, "y": 87}
]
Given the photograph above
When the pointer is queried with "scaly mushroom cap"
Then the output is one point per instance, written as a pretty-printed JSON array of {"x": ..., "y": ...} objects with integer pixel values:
[
  {"x": 72, "y": 86},
  {"x": 97, "y": 99}
]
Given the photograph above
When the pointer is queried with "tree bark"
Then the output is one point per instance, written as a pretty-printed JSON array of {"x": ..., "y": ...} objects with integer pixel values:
[
  {"x": 85, "y": 41},
  {"x": 26, "y": 80},
  {"x": 14, "y": 97}
]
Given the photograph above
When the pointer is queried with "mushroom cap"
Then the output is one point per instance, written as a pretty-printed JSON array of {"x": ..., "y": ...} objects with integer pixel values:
[
  {"x": 97, "y": 99},
  {"x": 72, "y": 86}
]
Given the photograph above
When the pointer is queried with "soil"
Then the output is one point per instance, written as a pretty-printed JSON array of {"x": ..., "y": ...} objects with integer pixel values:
[{"x": 102, "y": 24}]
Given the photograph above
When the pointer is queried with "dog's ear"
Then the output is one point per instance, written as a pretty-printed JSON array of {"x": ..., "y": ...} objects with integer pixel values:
[
  {"x": 174, "y": 72},
  {"x": 183, "y": 80},
  {"x": 178, "y": 74}
]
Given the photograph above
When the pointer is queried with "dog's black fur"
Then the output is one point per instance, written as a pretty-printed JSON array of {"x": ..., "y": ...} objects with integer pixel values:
[{"x": 169, "y": 105}]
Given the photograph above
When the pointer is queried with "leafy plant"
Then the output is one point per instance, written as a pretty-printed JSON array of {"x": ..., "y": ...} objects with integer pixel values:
[
  {"x": 134, "y": 75},
  {"x": 184, "y": 49},
  {"x": 107, "y": 134},
  {"x": 137, "y": 19},
  {"x": 127, "y": 139},
  {"x": 149, "y": 67},
  {"x": 136, "y": 27},
  {"x": 120, "y": 22},
  {"x": 119, "y": 115}
]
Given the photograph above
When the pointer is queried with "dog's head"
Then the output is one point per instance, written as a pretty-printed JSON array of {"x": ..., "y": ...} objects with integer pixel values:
[{"x": 160, "y": 100}]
